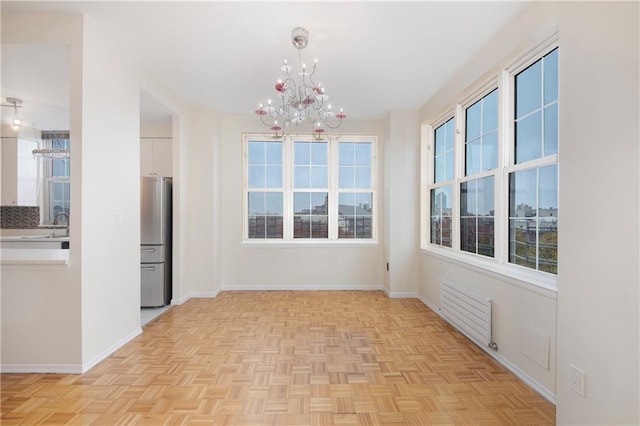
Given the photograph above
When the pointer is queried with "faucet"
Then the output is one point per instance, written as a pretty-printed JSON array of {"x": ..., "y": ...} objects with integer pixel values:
[{"x": 55, "y": 220}]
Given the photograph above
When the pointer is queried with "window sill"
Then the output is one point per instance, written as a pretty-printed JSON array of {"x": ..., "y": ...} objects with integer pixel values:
[
  {"x": 538, "y": 282},
  {"x": 309, "y": 244}
]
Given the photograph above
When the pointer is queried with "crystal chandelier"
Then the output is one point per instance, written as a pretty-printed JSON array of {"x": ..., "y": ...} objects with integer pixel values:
[{"x": 299, "y": 98}]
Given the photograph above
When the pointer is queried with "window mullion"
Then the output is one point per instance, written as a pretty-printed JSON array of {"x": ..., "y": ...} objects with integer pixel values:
[
  {"x": 458, "y": 173},
  {"x": 332, "y": 211},
  {"x": 287, "y": 148}
]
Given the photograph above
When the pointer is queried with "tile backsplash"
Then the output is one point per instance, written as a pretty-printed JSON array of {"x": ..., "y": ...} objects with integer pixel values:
[{"x": 19, "y": 217}]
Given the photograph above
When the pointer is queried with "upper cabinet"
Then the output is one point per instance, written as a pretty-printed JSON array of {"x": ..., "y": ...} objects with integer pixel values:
[{"x": 155, "y": 157}]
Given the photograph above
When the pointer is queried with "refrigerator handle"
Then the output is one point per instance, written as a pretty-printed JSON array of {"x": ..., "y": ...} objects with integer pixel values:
[
  {"x": 148, "y": 250},
  {"x": 147, "y": 268}
]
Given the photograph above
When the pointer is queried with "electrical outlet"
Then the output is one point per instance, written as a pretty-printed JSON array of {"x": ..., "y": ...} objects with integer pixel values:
[{"x": 577, "y": 378}]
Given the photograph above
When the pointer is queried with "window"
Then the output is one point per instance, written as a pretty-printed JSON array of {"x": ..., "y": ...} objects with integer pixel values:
[
  {"x": 492, "y": 191},
  {"x": 533, "y": 185},
  {"x": 355, "y": 195},
  {"x": 311, "y": 189},
  {"x": 299, "y": 189},
  {"x": 265, "y": 189},
  {"x": 441, "y": 195},
  {"x": 57, "y": 186}
]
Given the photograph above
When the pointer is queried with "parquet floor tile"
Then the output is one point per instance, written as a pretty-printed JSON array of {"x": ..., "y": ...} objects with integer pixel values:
[{"x": 285, "y": 358}]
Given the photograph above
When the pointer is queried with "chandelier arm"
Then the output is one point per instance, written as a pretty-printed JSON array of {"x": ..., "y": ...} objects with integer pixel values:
[
  {"x": 334, "y": 127},
  {"x": 265, "y": 123}
]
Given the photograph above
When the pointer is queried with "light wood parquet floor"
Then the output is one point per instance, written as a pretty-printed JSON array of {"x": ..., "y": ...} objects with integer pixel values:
[{"x": 285, "y": 358}]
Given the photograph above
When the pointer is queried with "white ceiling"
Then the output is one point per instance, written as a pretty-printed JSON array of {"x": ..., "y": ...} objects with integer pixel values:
[{"x": 372, "y": 56}]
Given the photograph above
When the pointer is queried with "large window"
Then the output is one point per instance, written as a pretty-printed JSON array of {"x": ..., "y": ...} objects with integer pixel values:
[
  {"x": 299, "y": 189},
  {"x": 492, "y": 167}
]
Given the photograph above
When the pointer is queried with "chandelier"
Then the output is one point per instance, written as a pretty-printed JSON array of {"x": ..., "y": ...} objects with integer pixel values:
[{"x": 300, "y": 100}]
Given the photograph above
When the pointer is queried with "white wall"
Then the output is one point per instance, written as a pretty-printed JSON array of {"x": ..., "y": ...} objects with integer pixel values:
[
  {"x": 41, "y": 307},
  {"x": 110, "y": 196},
  {"x": 201, "y": 236},
  {"x": 292, "y": 266},
  {"x": 596, "y": 325},
  {"x": 598, "y": 247},
  {"x": 402, "y": 202}
]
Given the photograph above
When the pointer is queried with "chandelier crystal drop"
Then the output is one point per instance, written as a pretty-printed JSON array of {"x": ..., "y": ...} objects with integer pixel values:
[{"x": 299, "y": 99}]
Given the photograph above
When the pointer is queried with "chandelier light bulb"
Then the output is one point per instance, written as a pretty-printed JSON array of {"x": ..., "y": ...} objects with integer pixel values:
[{"x": 16, "y": 123}]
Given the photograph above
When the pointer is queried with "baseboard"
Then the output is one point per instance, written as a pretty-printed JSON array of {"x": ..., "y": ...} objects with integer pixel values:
[
  {"x": 400, "y": 295},
  {"x": 42, "y": 368},
  {"x": 546, "y": 393},
  {"x": 301, "y": 287},
  {"x": 196, "y": 295},
  {"x": 111, "y": 349}
]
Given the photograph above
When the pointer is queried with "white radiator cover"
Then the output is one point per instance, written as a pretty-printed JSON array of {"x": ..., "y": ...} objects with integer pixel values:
[{"x": 467, "y": 311}]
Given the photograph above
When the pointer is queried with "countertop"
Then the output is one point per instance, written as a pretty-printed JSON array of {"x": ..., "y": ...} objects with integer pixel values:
[
  {"x": 33, "y": 238},
  {"x": 34, "y": 256}
]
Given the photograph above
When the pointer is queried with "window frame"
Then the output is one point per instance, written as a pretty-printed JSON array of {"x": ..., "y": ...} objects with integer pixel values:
[
  {"x": 48, "y": 177},
  {"x": 503, "y": 79},
  {"x": 333, "y": 190}
]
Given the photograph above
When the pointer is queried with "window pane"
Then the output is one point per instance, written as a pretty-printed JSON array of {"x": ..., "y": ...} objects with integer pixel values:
[
  {"x": 274, "y": 177},
  {"x": 474, "y": 157},
  {"x": 551, "y": 129},
  {"x": 363, "y": 177},
  {"x": 528, "y": 138},
  {"x": 490, "y": 151},
  {"x": 356, "y": 172},
  {"x": 449, "y": 134},
  {"x": 440, "y": 168},
  {"x": 265, "y": 164},
  {"x": 355, "y": 219},
  {"x": 256, "y": 177},
  {"x": 537, "y": 122},
  {"x": 490, "y": 112},
  {"x": 302, "y": 177},
  {"x": 533, "y": 218},
  {"x": 441, "y": 200},
  {"x": 548, "y": 191},
  {"x": 485, "y": 196},
  {"x": 522, "y": 193},
  {"x": 319, "y": 178},
  {"x": 346, "y": 177},
  {"x": 310, "y": 215},
  {"x": 256, "y": 152},
  {"x": 346, "y": 152},
  {"x": 481, "y": 137},
  {"x": 310, "y": 169},
  {"x": 468, "y": 204},
  {"x": 319, "y": 153},
  {"x": 473, "y": 121},
  {"x": 265, "y": 218},
  {"x": 443, "y": 161},
  {"x": 274, "y": 153},
  {"x": 548, "y": 251},
  {"x": 302, "y": 153},
  {"x": 551, "y": 77},
  {"x": 363, "y": 154},
  {"x": 477, "y": 216},
  {"x": 528, "y": 90}
]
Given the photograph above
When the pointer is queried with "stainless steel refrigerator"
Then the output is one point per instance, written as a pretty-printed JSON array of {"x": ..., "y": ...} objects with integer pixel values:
[{"x": 155, "y": 240}]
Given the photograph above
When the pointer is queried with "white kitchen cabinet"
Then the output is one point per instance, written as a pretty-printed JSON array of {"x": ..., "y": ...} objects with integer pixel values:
[{"x": 156, "y": 157}]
